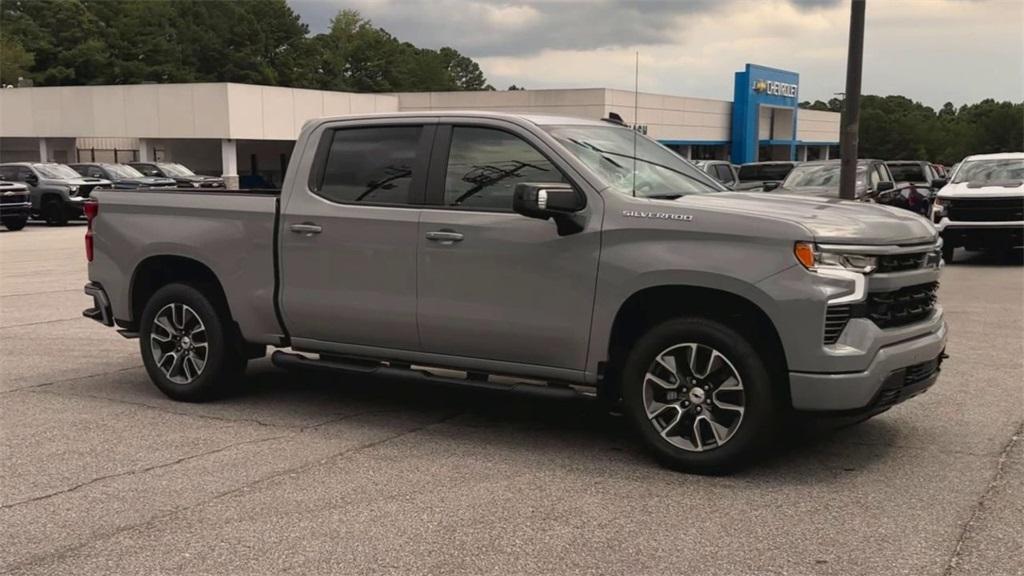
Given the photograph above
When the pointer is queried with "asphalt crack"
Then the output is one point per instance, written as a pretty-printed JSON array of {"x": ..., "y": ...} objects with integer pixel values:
[
  {"x": 162, "y": 409},
  {"x": 136, "y": 471},
  {"x": 979, "y": 506},
  {"x": 31, "y": 387},
  {"x": 340, "y": 455}
]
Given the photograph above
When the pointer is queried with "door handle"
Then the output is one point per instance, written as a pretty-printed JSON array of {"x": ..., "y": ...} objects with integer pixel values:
[
  {"x": 446, "y": 237},
  {"x": 307, "y": 229}
]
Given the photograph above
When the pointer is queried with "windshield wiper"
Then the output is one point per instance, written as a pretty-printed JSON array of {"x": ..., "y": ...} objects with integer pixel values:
[
  {"x": 645, "y": 161},
  {"x": 593, "y": 148}
]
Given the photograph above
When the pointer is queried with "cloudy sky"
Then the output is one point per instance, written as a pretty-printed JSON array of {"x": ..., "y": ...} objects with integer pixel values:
[{"x": 930, "y": 50}]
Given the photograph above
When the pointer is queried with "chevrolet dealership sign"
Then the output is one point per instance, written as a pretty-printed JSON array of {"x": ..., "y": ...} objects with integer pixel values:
[{"x": 773, "y": 88}]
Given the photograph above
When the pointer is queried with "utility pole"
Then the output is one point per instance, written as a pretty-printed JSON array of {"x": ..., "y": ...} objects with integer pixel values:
[{"x": 849, "y": 139}]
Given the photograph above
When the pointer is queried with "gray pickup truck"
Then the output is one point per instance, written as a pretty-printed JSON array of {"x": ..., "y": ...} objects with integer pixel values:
[{"x": 535, "y": 253}]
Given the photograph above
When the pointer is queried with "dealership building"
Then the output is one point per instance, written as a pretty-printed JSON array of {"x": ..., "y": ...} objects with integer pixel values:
[{"x": 247, "y": 131}]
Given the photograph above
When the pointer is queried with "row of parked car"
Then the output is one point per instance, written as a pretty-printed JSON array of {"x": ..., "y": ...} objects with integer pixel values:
[
  {"x": 978, "y": 204},
  {"x": 57, "y": 193},
  {"x": 908, "y": 184}
]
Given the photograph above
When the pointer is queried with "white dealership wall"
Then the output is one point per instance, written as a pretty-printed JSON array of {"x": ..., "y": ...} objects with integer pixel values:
[{"x": 254, "y": 126}]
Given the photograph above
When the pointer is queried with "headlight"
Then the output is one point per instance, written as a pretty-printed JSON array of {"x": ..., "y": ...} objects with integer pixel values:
[
  {"x": 938, "y": 209},
  {"x": 73, "y": 189},
  {"x": 814, "y": 258},
  {"x": 197, "y": 185}
]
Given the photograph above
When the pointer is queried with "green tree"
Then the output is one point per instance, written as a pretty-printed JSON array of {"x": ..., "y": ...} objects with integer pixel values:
[
  {"x": 15, "y": 61},
  {"x": 465, "y": 74}
]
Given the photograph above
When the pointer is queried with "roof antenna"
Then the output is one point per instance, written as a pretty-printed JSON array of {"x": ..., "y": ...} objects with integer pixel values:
[{"x": 636, "y": 117}]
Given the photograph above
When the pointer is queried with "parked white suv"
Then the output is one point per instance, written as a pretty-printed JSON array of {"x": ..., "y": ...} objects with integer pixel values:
[{"x": 982, "y": 205}]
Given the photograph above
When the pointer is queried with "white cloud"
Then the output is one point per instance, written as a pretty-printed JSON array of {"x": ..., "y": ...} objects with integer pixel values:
[{"x": 930, "y": 50}]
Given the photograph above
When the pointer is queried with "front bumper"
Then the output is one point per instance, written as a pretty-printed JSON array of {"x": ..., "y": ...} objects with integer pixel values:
[
  {"x": 101, "y": 310},
  {"x": 884, "y": 383},
  {"x": 978, "y": 234},
  {"x": 13, "y": 210}
]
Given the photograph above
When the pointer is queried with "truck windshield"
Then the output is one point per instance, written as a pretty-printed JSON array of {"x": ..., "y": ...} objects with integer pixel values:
[
  {"x": 123, "y": 172},
  {"x": 908, "y": 173},
  {"x": 990, "y": 171},
  {"x": 608, "y": 152},
  {"x": 763, "y": 172},
  {"x": 175, "y": 169},
  {"x": 817, "y": 176},
  {"x": 57, "y": 171}
]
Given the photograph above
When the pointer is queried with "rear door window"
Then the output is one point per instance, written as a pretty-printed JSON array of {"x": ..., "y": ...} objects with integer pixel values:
[{"x": 372, "y": 165}]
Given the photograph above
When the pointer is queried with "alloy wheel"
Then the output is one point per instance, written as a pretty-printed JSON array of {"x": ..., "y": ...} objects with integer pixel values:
[
  {"x": 178, "y": 343},
  {"x": 694, "y": 397}
]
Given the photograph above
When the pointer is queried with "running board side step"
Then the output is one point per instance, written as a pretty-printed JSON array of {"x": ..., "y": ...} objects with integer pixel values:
[{"x": 291, "y": 361}]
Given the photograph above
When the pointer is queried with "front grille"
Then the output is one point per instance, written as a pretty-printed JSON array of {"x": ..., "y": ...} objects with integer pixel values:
[
  {"x": 906, "y": 383},
  {"x": 901, "y": 262},
  {"x": 85, "y": 189},
  {"x": 836, "y": 317},
  {"x": 19, "y": 198},
  {"x": 985, "y": 209},
  {"x": 901, "y": 307}
]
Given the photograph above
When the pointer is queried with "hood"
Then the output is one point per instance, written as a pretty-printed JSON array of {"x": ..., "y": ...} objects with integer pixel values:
[
  {"x": 830, "y": 220},
  {"x": 149, "y": 181},
  {"x": 198, "y": 178},
  {"x": 1002, "y": 189},
  {"x": 83, "y": 181},
  {"x": 752, "y": 184}
]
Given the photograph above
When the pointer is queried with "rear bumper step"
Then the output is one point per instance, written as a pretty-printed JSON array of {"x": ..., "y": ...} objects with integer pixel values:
[
  {"x": 101, "y": 311},
  {"x": 291, "y": 361}
]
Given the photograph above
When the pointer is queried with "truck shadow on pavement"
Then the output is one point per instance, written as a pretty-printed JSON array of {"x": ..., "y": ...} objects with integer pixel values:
[{"x": 557, "y": 430}]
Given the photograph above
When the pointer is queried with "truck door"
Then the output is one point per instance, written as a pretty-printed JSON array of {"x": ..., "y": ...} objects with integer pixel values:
[
  {"x": 493, "y": 284},
  {"x": 349, "y": 232}
]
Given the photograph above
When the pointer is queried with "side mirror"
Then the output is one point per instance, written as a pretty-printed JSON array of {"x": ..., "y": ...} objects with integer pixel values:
[
  {"x": 545, "y": 201},
  {"x": 32, "y": 180},
  {"x": 884, "y": 186},
  {"x": 557, "y": 200},
  {"x": 939, "y": 183},
  {"x": 769, "y": 186}
]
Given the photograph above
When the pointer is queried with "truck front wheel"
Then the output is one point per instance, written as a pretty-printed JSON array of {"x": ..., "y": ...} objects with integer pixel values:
[
  {"x": 188, "y": 344},
  {"x": 15, "y": 223},
  {"x": 700, "y": 395},
  {"x": 54, "y": 213}
]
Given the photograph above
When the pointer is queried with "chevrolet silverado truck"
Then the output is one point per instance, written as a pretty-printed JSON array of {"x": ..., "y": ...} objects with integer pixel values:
[
  {"x": 536, "y": 253},
  {"x": 15, "y": 206},
  {"x": 982, "y": 205},
  {"x": 57, "y": 192}
]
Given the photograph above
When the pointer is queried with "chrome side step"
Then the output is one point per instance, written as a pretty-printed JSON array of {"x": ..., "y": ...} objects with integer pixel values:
[{"x": 294, "y": 361}]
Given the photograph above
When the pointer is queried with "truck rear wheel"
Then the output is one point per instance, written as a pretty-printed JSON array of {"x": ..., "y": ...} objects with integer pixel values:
[
  {"x": 188, "y": 344},
  {"x": 700, "y": 395}
]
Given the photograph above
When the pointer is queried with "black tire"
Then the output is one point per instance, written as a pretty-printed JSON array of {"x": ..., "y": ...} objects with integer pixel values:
[
  {"x": 54, "y": 213},
  {"x": 947, "y": 253},
  {"x": 224, "y": 361},
  {"x": 755, "y": 429},
  {"x": 15, "y": 224}
]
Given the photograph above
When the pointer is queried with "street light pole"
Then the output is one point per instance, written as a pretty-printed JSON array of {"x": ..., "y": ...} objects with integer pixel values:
[{"x": 848, "y": 140}]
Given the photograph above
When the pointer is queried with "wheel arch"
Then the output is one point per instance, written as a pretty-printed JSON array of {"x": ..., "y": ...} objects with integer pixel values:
[
  {"x": 652, "y": 305},
  {"x": 157, "y": 271}
]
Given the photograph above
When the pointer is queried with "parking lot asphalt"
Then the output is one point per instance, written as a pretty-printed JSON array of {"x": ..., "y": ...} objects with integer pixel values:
[{"x": 101, "y": 474}]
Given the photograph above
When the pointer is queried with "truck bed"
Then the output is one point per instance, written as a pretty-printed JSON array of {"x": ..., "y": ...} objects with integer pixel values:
[{"x": 230, "y": 232}]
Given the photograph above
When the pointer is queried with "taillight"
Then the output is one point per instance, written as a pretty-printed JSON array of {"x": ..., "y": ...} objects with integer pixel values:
[{"x": 92, "y": 208}]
